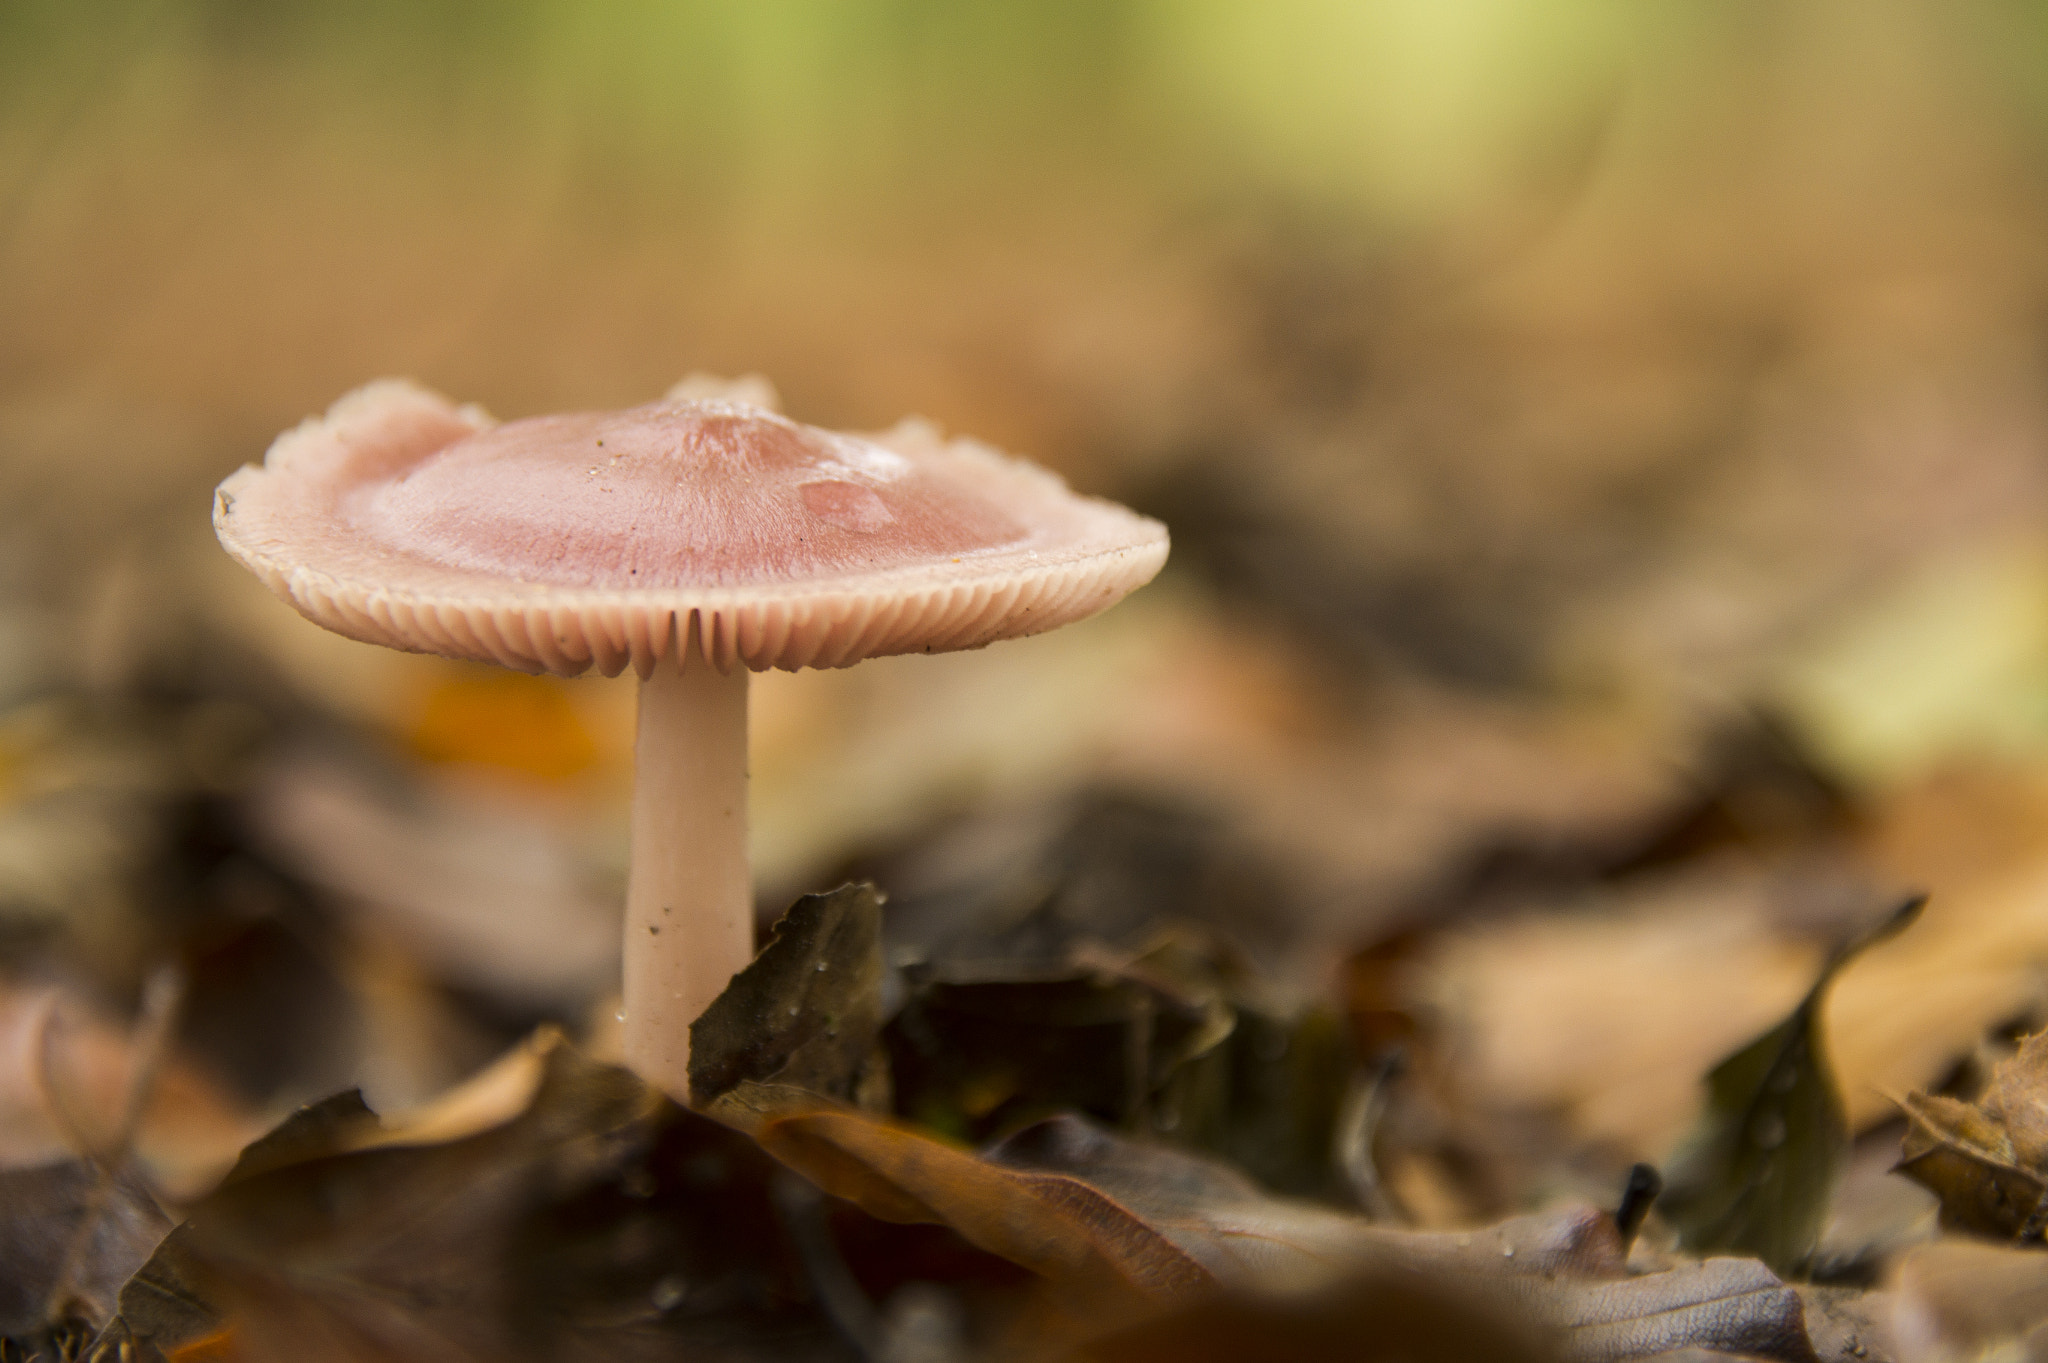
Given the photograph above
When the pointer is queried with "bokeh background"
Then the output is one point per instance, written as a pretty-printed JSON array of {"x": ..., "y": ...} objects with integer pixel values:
[{"x": 1606, "y": 446}]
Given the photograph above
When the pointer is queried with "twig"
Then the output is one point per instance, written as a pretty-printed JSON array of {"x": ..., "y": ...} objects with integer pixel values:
[{"x": 1637, "y": 1197}]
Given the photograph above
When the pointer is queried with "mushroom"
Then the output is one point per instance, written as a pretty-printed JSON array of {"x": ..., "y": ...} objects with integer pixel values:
[{"x": 691, "y": 539}]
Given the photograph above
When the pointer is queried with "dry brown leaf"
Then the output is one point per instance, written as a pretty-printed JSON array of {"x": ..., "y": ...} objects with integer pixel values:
[
  {"x": 1120, "y": 1229},
  {"x": 1106, "y": 1261},
  {"x": 1987, "y": 1161},
  {"x": 1724, "y": 1306},
  {"x": 1960, "y": 1156},
  {"x": 1564, "y": 1269},
  {"x": 1696, "y": 964}
]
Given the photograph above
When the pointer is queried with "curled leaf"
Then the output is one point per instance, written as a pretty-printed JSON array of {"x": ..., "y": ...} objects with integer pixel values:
[
  {"x": 1759, "y": 1171},
  {"x": 1952, "y": 1149},
  {"x": 1105, "y": 1260},
  {"x": 1987, "y": 1161}
]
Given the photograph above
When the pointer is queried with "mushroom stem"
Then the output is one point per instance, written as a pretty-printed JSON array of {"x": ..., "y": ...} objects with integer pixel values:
[{"x": 690, "y": 894}]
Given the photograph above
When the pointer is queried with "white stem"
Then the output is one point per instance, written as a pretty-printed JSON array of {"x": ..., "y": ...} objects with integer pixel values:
[{"x": 690, "y": 896}]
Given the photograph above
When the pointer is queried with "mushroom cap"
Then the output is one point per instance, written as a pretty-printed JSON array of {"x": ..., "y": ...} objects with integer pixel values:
[{"x": 600, "y": 539}]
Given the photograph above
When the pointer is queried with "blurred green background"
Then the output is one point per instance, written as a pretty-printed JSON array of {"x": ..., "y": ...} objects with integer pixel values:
[{"x": 889, "y": 205}]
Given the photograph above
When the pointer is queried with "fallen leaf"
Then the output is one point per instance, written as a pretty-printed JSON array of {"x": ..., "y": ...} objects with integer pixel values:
[
  {"x": 1955, "y": 1152},
  {"x": 1246, "y": 1237},
  {"x": 69, "y": 1237},
  {"x": 598, "y": 1222},
  {"x": 1121, "y": 1228},
  {"x": 1565, "y": 1268},
  {"x": 162, "y": 1309},
  {"x": 1734, "y": 1306},
  {"x": 2019, "y": 1098},
  {"x": 1541, "y": 1286},
  {"x": 1758, "y": 1173},
  {"x": 1104, "y": 1261},
  {"x": 806, "y": 1012},
  {"x": 1987, "y": 1161}
]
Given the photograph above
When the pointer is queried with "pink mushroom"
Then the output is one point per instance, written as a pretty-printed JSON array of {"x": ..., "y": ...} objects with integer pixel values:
[{"x": 691, "y": 540}]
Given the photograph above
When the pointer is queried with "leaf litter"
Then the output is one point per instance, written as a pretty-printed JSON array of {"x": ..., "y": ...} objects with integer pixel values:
[
  {"x": 557, "y": 1207},
  {"x": 1082, "y": 1083},
  {"x": 1014, "y": 1143}
]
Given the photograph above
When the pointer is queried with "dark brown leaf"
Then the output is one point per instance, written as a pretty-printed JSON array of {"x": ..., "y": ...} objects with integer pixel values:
[
  {"x": 599, "y": 1222},
  {"x": 1565, "y": 1268},
  {"x": 806, "y": 1013},
  {"x": 328, "y": 1127},
  {"x": 69, "y": 1220},
  {"x": 163, "y": 1308}
]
